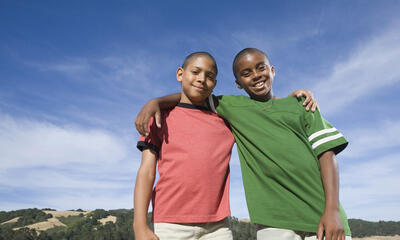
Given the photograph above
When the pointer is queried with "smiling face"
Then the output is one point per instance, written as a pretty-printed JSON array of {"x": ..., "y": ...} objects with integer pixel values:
[
  {"x": 198, "y": 80},
  {"x": 255, "y": 75}
]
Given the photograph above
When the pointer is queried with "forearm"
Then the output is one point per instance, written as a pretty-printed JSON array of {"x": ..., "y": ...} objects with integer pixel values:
[
  {"x": 143, "y": 189},
  {"x": 168, "y": 101},
  {"x": 330, "y": 180}
]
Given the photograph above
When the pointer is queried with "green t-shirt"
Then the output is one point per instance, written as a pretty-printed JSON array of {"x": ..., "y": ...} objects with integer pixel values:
[{"x": 279, "y": 144}]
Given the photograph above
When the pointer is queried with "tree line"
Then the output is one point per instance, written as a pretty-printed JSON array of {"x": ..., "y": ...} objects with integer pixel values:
[{"x": 88, "y": 227}]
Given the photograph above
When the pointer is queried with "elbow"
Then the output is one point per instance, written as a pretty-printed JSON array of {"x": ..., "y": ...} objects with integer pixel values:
[{"x": 146, "y": 174}]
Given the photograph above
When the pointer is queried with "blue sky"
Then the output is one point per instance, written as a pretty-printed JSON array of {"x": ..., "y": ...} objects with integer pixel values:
[{"x": 74, "y": 74}]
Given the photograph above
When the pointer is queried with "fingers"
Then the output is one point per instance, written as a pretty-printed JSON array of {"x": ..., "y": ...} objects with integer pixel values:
[
  {"x": 158, "y": 119},
  {"x": 320, "y": 231},
  {"x": 141, "y": 124},
  {"x": 337, "y": 234},
  {"x": 308, "y": 102},
  {"x": 138, "y": 126},
  {"x": 333, "y": 235},
  {"x": 145, "y": 125},
  {"x": 314, "y": 106},
  {"x": 342, "y": 236}
]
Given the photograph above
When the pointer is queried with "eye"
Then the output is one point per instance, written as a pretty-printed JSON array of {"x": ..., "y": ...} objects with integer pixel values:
[
  {"x": 245, "y": 74},
  {"x": 210, "y": 76},
  {"x": 195, "y": 71},
  {"x": 262, "y": 67}
]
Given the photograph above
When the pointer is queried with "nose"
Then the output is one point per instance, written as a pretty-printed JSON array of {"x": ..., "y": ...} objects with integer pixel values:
[
  {"x": 257, "y": 75},
  {"x": 201, "y": 77}
]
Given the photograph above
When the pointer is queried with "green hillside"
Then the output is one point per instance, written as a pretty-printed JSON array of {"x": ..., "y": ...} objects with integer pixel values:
[{"x": 117, "y": 224}]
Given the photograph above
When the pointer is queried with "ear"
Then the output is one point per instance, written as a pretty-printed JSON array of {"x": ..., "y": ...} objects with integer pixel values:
[
  {"x": 238, "y": 84},
  {"x": 179, "y": 74},
  {"x": 273, "y": 71}
]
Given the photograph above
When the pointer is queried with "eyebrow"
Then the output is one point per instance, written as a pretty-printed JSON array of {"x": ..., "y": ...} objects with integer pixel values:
[
  {"x": 213, "y": 72},
  {"x": 261, "y": 63}
]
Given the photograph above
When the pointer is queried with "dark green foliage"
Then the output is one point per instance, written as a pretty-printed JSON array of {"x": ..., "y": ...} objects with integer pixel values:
[
  {"x": 242, "y": 230},
  {"x": 27, "y": 216},
  {"x": 99, "y": 213},
  {"x": 361, "y": 228},
  {"x": 89, "y": 228},
  {"x": 71, "y": 219},
  {"x": 20, "y": 234}
]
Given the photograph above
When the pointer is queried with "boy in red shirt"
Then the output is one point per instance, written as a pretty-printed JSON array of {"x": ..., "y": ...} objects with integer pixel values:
[{"x": 192, "y": 150}]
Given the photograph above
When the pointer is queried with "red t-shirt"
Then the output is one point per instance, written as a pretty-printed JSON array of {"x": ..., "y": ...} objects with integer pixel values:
[{"x": 194, "y": 148}]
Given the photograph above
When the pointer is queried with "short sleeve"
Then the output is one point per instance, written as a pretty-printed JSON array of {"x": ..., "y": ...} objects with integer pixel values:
[
  {"x": 153, "y": 140},
  {"x": 222, "y": 104},
  {"x": 322, "y": 135}
]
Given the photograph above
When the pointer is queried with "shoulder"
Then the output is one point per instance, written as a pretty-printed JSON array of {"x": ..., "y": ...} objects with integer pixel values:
[
  {"x": 290, "y": 104},
  {"x": 232, "y": 99}
]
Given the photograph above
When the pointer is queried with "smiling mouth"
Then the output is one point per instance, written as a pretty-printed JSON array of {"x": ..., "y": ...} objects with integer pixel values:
[
  {"x": 259, "y": 85},
  {"x": 199, "y": 88}
]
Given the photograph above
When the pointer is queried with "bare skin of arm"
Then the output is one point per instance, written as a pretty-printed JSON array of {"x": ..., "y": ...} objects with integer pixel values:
[
  {"x": 143, "y": 190},
  {"x": 330, "y": 223},
  {"x": 152, "y": 108}
]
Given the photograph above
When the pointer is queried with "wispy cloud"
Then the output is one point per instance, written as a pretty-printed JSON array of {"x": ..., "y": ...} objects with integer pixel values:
[
  {"x": 65, "y": 199},
  {"x": 369, "y": 188},
  {"x": 28, "y": 143},
  {"x": 122, "y": 74},
  {"x": 382, "y": 138},
  {"x": 50, "y": 163},
  {"x": 370, "y": 170},
  {"x": 374, "y": 65},
  {"x": 72, "y": 66}
]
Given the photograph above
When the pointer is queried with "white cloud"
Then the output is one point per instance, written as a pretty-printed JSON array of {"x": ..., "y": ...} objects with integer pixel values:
[
  {"x": 90, "y": 201},
  {"x": 25, "y": 143},
  {"x": 132, "y": 76},
  {"x": 370, "y": 189},
  {"x": 363, "y": 142},
  {"x": 374, "y": 65},
  {"x": 64, "y": 167},
  {"x": 74, "y": 66},
  {"x": 38, "y": 178},
  {"x": 72, "y": 199}
]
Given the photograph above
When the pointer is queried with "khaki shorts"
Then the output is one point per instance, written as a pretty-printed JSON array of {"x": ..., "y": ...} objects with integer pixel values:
[
  {"x": 193, "y": 231},
  {"x": 268, "y": 233}
]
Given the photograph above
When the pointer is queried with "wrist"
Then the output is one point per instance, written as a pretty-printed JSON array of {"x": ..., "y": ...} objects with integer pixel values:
[
  {"x": 330, "y": 208},
  {"x": 139, "y": 225},
  {"x": 155, "y": 101}
]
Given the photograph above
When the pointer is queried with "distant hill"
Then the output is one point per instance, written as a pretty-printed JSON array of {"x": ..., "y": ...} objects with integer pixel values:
[{"x": 48, "y": 224}]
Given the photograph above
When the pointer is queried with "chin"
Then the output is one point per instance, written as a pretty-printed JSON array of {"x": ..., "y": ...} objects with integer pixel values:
[{"x": 197, "y": 99}]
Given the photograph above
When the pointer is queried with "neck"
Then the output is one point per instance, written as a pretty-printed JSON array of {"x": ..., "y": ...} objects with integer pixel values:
[
  {"x": 264, "y": 98},
  {"x": 185, "y": 99}
]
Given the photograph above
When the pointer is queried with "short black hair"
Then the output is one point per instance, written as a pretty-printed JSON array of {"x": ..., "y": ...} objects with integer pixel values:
[
  {"x": 242, "y": 54},
  {"x": 194, "y": 55}
]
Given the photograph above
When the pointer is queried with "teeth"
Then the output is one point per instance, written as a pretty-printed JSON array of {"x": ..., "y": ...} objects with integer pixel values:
[{"x": 259, "y": 84}]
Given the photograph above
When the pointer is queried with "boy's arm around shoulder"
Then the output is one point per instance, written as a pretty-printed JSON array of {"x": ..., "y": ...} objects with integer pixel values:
[
  {"x": 152, "y": 109},
  {"x": 143, "y": 191},
  {"x": 310, "y": 102},
  {"x": 330, "y": 223}
]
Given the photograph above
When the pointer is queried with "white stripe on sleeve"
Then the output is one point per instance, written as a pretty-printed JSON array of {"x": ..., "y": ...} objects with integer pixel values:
[
  {"x": 327, "y": 139},
  {"x": 319, "y": 133}
]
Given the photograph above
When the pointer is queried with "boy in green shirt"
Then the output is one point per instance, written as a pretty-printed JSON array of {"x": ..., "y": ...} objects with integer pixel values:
[{"x": 287, "y": 157}]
